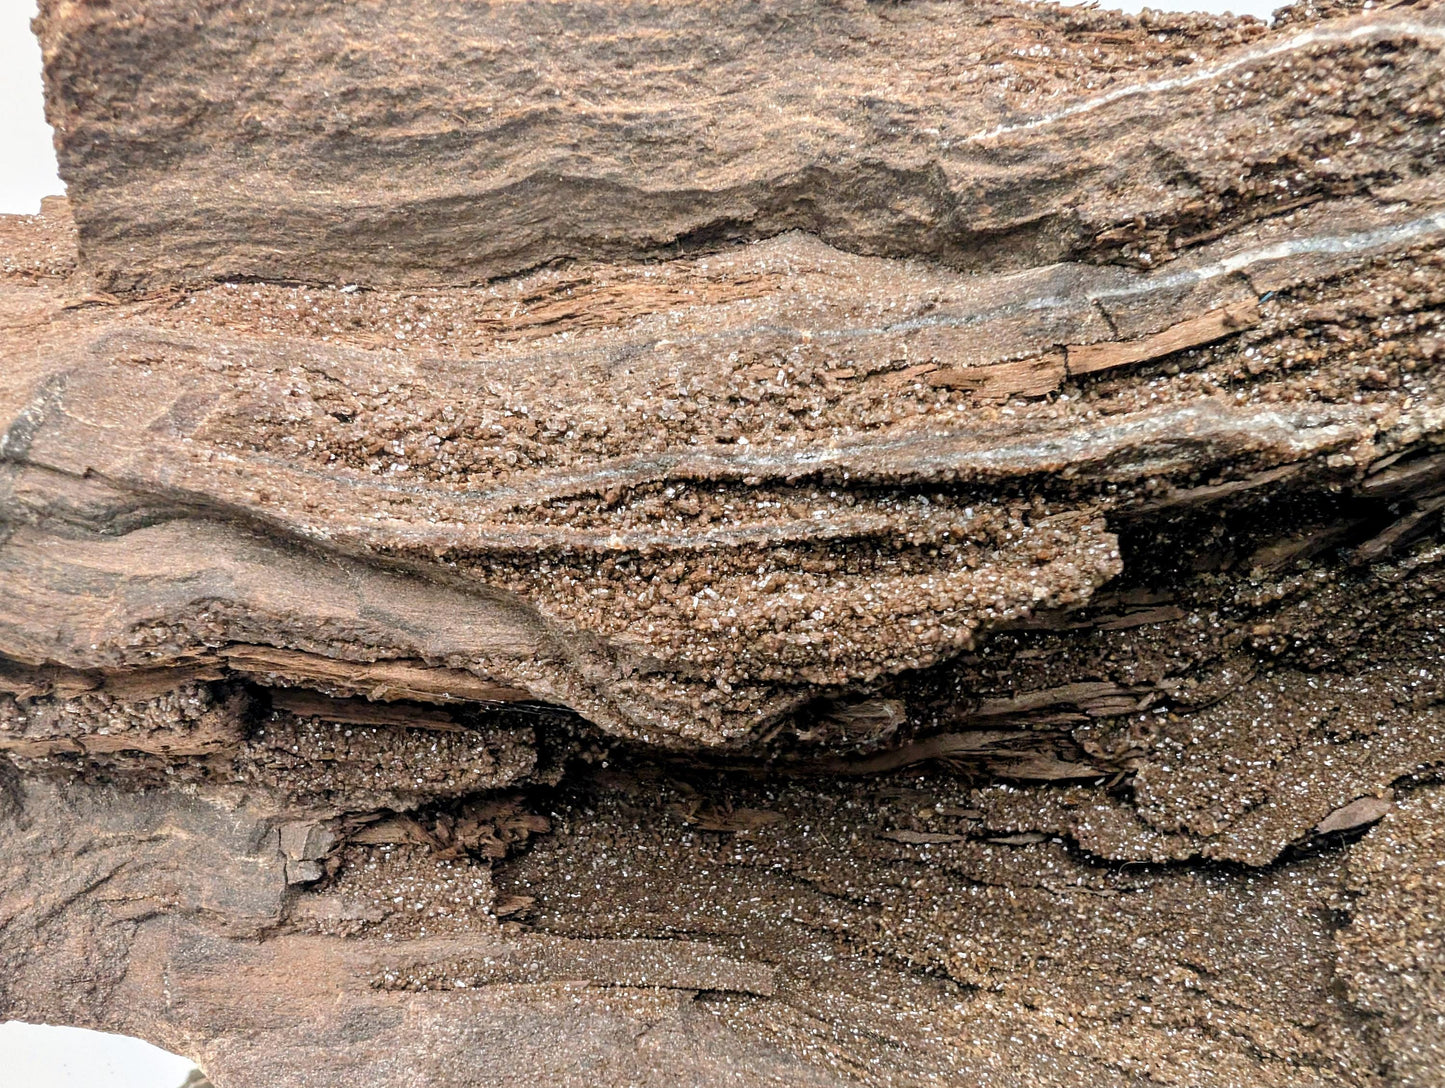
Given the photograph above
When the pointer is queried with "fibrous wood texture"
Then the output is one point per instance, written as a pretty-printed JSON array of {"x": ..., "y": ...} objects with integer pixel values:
[{"x": 729, "y": 544}]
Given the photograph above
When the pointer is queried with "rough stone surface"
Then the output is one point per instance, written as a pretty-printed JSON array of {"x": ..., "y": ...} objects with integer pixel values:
[
  {"x": 419, "y": 142},
  {"x": 731, "y": 544}
]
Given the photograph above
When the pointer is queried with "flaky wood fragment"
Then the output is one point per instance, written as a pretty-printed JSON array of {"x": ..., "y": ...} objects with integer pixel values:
[
  {"x": 1358, "y": 813},
  {"x": 383, "y": 680},
  {"x": 1197, "y": 331},
  {"x": 309, "y": 704},
  {"x": 1031, "y": 377},
  {"x": 1026, "y": 755},
  {"x": 1421, "y": 475},
  {"x": 1040, "y": 374},
  {"x": 32, "y": 681}
]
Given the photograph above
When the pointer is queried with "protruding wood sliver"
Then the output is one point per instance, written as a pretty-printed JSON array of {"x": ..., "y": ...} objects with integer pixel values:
[
  {"x": 1031, "y": 377},
  {"x": 308, "y": 704},
  {"x": 1194, "y": 333},
  {"x": 379, "y": 680}
]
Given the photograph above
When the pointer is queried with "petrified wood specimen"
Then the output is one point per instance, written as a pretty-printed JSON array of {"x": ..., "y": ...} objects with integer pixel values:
[{"x": 809, "y": 543}]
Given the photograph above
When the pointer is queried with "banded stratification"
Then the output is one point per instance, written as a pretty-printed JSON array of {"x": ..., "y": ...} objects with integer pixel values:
[{"x": 810, "y": 543}]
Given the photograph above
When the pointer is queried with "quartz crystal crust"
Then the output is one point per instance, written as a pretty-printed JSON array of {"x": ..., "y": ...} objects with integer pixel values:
[{"x": 729, "y": 543}]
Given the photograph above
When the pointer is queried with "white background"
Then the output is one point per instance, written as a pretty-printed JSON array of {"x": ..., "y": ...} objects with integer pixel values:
[
  {"x": 35, "y": 1056},
  {"x": 46, "y": 1057},
  {"x": 27, "y": 160}
]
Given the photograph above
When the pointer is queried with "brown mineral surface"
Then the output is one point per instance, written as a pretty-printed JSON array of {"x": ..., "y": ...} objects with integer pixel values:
[{"x": 842, "y": 543}]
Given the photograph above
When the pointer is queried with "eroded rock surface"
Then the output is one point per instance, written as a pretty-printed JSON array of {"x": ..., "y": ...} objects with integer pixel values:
[
  {"x": 421, "y": 142},
  {"x": 824, "y": 544}
]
